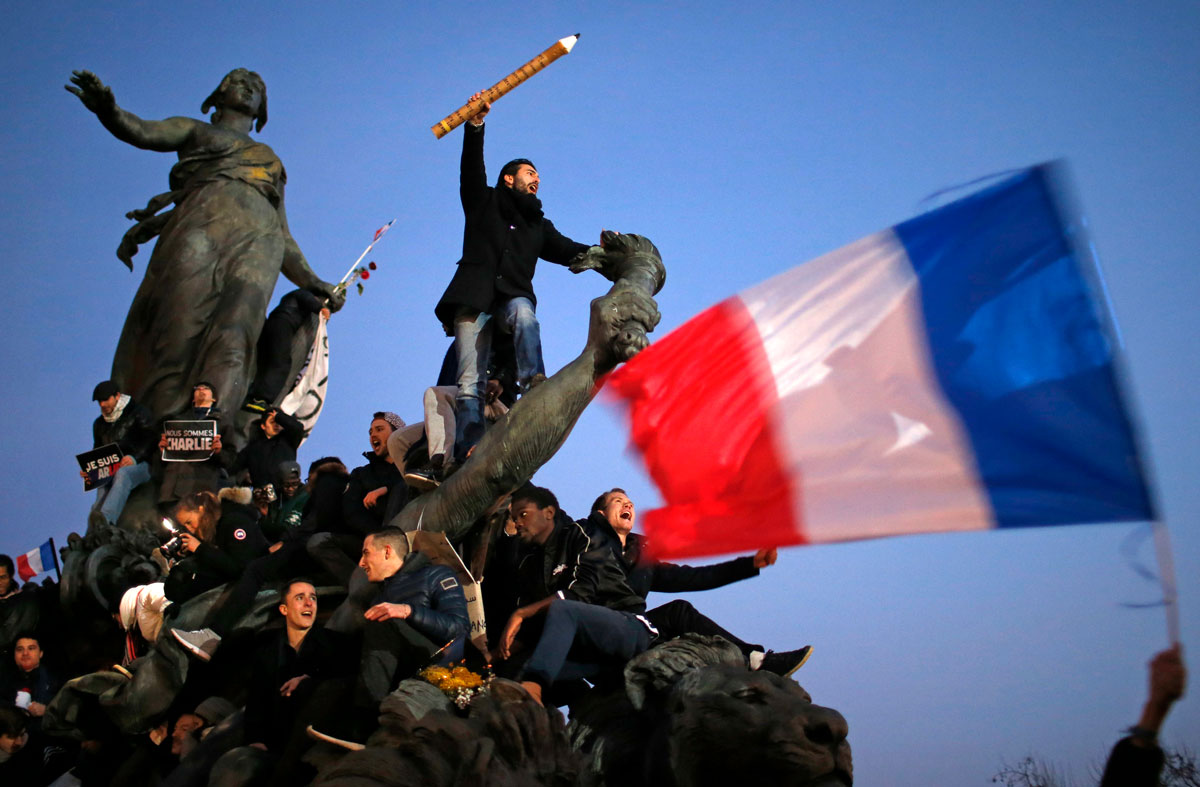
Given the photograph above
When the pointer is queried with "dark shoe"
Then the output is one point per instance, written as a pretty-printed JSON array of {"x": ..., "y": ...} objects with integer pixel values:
[
  {"x": 786, "y": 662},
  {"x": 421, "y": 478},
  {"x": 201, "y": 643},
  {"x": 256, "y": 405},
  {"x": 344, "y": 742}
]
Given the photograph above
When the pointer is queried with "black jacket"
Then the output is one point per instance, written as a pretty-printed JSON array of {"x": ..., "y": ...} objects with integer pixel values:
[
  {"x": 645, "y": 574},
  {"x": 323, "y": 655},
  {"x": 262, "y": 454},
  {"x": 295, "y": 307},
  {"x": 377, "y": 472},
  {"x": 574, "y": 567},
  {"x": 502, "y": 240},
  {"x": 133, "y": 432},
  {"x": 439, "y": 608},
  {"x": 236, "y": 542}
]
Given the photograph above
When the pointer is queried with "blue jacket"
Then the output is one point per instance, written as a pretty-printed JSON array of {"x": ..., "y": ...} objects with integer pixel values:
[{"x": 439, "y": 608}]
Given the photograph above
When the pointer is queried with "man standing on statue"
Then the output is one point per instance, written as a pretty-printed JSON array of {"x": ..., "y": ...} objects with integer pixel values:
[{"x": 504, "y": 236}]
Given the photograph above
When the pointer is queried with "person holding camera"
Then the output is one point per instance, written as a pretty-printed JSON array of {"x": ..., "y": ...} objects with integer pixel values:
[{"x": 221, "y": 538}]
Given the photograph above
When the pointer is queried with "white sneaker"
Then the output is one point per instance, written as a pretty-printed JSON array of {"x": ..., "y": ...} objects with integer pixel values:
[{"x": 201, "y": 643}]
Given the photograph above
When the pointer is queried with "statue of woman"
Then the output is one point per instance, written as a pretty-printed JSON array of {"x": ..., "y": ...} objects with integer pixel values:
[{"x": 202, "y": 302}]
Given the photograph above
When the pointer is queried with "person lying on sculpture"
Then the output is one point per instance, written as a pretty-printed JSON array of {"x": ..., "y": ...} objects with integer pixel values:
[
  {"x": 612, "y": 521},
  {"x": 203, "y": 300},
  {"x": 593, "y": 619}
]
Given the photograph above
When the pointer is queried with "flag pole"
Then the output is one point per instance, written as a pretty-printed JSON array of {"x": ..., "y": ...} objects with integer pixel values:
[
  {"x": 378, "y": 235},
  {"x": 1166, "y": 573},
  {"x": 54, "y": 554}
]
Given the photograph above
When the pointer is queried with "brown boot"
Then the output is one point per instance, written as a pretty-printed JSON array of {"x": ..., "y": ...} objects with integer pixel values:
[{"x": 534, "y": 689}]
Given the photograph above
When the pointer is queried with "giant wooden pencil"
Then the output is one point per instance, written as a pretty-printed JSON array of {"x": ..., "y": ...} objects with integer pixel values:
[{"x": 468, "y": 110}]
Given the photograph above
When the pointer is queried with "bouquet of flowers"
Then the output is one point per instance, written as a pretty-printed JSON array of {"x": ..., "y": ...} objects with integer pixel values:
[{"x": 460, "y": 684}]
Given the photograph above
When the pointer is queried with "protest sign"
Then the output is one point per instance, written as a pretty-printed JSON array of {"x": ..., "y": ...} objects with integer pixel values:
[
  {"x": 99, "y": 464},
  {"x": 189, "y": 441}
]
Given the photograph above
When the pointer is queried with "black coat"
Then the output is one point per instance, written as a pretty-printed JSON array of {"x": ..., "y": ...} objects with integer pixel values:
[
  {"x": 575, "y": 567},
  {"x": 323, "y": 655},
  {"x": 646, "y": 574},
  {"x": 134, "y": 432},
  {"x": 501, "y": 242},
  {"x": 262, "y": 454},
  {"x": 236, "y": 542},
  {"x": 377, "y": 472}
]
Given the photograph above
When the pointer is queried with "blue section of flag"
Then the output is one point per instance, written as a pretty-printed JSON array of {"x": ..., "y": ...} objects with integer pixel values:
[
  {"x": 46, "y": 552},
  {"x": 1024, "y": 352}
]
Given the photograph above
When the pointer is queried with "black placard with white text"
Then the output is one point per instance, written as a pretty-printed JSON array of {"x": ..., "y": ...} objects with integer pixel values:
[
  {"x": 189, "y": 441},
  {"x": 99, "y": 464}
]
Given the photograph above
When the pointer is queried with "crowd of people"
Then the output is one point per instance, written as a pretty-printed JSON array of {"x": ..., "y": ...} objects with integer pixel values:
[{"x": 567, "y": 597}]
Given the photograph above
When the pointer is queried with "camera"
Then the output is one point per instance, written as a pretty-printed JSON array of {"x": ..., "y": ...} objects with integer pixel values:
[{"x": 173, "y": 548}]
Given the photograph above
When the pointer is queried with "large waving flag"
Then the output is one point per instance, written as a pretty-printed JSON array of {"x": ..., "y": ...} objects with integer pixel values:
[{"x": 954, "y": 372}]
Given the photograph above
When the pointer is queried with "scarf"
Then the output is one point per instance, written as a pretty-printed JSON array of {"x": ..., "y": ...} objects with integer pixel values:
[{"x": 122, "y": 400}]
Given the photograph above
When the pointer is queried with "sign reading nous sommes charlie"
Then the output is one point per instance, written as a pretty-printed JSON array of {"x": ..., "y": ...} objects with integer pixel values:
[
  {"x": 99, "y": 464},
  {"x": 189, "y": 441}
]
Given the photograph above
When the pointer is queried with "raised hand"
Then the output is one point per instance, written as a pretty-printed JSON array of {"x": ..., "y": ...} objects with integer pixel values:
[{"x": 94, "y": 94}]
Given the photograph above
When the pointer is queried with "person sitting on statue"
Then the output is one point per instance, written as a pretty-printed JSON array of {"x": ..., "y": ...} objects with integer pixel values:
[
  {"x": 594, "y": 620},
  {"x": 300, "y": 675},
  {"x": 276, "y": 439},
  {"x": 274, "y": 354},
  {"x": 131, "y": 426},
  {"x": 612, "y": 520},
  {"x": 286, "y": 557},
  {"x": 434, "y": 437},
  {"x": 31, "y": 685},
  {"x": 180, "y": 479},
  {"x": 420, "y": 611},
  {"x": 505, "y": 234},
  {"x": 373, "y": 494},
  {"x": 285, "y": 514},
  {"x": 222, "y": 538},
  {"x": 221, "y": 245}
]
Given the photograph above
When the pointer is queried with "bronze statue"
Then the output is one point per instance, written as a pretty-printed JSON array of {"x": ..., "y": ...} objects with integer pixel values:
[
  {"x": 534, "y": 429},
  {"x": 202, "y": 302}
]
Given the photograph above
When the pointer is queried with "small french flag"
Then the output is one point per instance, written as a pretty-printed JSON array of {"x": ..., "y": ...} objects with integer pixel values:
[{"x": 36, "y": 561}]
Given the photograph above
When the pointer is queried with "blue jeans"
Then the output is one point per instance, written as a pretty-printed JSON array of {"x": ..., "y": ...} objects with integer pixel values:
[
  {"x": 473, "y": 348},
  {"x": 110, "y": 500},
  {"x": 580, "y": 640}
]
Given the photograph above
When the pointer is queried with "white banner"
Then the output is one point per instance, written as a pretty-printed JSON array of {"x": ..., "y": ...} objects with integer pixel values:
[{"x": 307, "y": 396}]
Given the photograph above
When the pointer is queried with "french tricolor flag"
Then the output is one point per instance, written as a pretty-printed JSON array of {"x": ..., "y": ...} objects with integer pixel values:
[
  {"x": 36, "y": 561},
  {"x": 955, "y": 372}
]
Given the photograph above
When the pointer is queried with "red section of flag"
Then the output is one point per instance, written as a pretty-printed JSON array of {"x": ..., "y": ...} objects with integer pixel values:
[
  {"x": 700, "y": 402},
  {"x": 25, "y": 571}
]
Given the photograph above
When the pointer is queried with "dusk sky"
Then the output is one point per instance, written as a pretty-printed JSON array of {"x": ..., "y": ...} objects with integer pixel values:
[{"x": 743, "y": 139}]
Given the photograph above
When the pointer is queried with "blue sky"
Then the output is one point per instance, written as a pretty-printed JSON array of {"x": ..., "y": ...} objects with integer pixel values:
[{"x": 743, "y": 139}]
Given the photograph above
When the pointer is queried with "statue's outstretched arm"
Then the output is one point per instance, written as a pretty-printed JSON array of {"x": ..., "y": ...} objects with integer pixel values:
[
  {"x": 534, "y": 429},
  {"x": 162, "y": 135}
]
